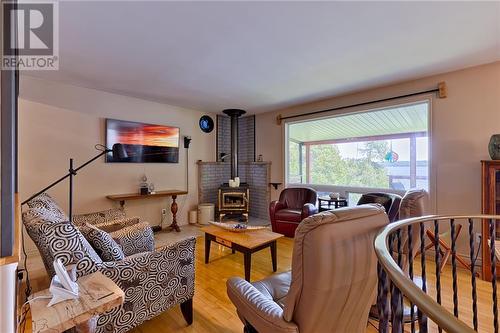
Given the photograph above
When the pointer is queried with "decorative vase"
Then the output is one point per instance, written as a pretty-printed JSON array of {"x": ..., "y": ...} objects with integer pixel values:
[{"x": 494, "y": 147}]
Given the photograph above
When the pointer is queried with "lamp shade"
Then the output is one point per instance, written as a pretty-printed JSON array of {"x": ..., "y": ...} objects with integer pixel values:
[{"x": 119, "y": 151}]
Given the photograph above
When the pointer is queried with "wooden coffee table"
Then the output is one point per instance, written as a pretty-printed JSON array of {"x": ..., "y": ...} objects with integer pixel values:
[{"x": 245, "y": 242}]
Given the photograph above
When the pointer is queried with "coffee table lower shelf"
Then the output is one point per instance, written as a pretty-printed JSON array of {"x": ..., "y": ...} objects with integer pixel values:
[{"x": 235, "y": 242}]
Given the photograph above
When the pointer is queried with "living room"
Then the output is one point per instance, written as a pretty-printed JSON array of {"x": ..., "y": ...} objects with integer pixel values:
[{"x": 338, "y": 104}]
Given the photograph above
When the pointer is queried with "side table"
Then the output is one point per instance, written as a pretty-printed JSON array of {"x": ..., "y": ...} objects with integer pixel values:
[
  {"x": 98, "y": 294},
  {"x": 326, "y": 203}
]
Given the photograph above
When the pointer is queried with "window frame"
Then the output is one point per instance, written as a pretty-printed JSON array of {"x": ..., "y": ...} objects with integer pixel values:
[{"x": 345, "y": 190}]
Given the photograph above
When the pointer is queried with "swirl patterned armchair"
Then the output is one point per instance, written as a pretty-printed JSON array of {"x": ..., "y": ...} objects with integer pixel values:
[
  {"x": 294, "y": 205},
  {"x": 153, "y": 280}
]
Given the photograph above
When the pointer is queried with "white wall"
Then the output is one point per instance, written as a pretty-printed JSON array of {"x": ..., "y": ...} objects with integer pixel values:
[
  {"x": 58, "y": 121},
  {"x": 8, "y": 298}
]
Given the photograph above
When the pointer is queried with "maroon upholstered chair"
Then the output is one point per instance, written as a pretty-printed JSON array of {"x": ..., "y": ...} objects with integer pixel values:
[{"x": 294, "y": 205}]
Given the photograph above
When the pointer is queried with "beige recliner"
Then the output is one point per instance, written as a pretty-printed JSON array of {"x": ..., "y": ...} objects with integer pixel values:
[
  {"x": 332, "y": 282},
  {"x": 413, "y": 204}
]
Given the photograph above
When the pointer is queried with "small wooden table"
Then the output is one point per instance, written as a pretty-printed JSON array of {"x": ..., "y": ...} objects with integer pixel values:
[
  {"x": 340, "y": 202},
  {"x": 245, "y": 242},
  {"x": 98, "y": 294},
  {"x": 158, "y": 194}
]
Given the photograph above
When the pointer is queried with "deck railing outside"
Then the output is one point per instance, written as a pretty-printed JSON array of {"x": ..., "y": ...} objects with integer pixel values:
[{"x": 403, "y": 252}]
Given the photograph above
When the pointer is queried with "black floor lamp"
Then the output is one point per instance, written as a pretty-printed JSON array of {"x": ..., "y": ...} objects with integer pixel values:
[{"x": 118, "y": 151}]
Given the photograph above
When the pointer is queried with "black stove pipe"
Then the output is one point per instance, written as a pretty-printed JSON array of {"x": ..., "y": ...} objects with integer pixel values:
[{"x": 234, "y": 114}]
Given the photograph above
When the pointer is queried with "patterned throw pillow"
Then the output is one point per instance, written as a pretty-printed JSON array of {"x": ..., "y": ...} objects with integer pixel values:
[
  {"x": 134, "y": 239},
  {"x": 102, "y": 243},
  {"x": 34, "y": 214},
  {"x": 46, "y": 203},
  {"x": 99, "y": 217},
  {"x": 62, "y": 240}
]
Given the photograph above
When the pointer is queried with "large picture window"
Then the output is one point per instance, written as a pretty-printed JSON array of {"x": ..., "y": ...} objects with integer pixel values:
[{"x": 384, "y": 149}]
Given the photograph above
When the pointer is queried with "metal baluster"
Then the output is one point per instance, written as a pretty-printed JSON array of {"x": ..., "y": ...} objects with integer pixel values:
[
  {"x": 396, "y": 311},
  {"x": 454, "y": 267},
  {"x": 382, "y": 304},
  {"x": 493, "y": 273},
  {"x": 422, "y": 318},
  {"x": 410, "y": 271},
  {"x": 438, "y": 264},
  {"x": 390, "y": 239},
  {"x": 473, "y": 274},
  {"x": 400, "y": 264}
]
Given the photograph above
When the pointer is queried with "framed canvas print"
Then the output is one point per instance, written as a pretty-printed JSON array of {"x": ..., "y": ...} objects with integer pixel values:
[{"x": 144, "y": 143}]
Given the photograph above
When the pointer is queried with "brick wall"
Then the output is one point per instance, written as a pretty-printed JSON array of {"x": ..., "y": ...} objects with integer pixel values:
[
  {"x": 246, "y": 137},
  {"x": 210, "y": 176},
  {"x": 256, "y": 174},
  {"x": 223, "y": 136},
  {"x": 258, "y": 177}
]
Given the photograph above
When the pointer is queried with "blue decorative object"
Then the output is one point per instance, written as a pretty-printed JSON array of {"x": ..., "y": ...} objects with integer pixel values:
[
  {"x": 391, "y": 156},
  {"x": 206, "y": 124}
]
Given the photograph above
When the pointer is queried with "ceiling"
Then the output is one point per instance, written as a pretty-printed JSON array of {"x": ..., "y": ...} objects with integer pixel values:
[
  {"x": 262, "y": 56},
  {"x": 401, "y": 120}
]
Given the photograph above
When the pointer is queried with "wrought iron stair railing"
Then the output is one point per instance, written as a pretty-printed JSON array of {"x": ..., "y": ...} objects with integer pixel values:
[{"x": 402, "y": 253}]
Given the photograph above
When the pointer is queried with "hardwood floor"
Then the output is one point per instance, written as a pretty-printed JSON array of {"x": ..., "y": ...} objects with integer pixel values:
[{"x": 213, "y": 311}]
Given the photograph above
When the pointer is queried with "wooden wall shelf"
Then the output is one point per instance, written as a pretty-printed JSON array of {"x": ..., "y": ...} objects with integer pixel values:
[{"x": 158, "y": 194}]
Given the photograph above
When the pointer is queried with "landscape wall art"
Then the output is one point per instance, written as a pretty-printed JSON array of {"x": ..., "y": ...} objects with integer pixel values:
[{"x": 144, "y": 143}]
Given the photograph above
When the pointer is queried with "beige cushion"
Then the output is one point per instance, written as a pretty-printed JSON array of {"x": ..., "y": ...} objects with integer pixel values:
[
  {"x": 413, "y": 204},
  {"x": 332, "y": 282},
  {"x": 334, "y": 270},
  {"x": 259, "y": 309},
  {"x": 275, "y": 287}
]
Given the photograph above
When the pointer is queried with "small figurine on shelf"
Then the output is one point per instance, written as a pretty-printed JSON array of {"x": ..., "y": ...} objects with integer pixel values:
[
  {"x": 152, "y": 188},
  {"x": 144, "y": 188}
]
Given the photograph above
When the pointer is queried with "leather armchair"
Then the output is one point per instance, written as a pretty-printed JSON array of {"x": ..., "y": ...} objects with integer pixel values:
[
  {"x": 390, "y": 202},
  {"x": 413, "y": 204},
  {"x": 326, "y": 291},
  {"x": 294, "y": 205}
]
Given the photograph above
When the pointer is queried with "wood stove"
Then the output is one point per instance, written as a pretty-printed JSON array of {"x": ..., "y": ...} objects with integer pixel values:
[{"x": 233, "y": 202}]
